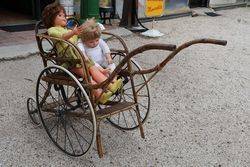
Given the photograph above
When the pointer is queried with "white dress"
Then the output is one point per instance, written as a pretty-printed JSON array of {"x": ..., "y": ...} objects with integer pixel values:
[{"x": 97, "y": 54}]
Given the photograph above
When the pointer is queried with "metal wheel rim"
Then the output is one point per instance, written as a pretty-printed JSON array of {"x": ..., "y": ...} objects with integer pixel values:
[
  {"x": 61, "y": 121},
  {"x": 32, "y": 111}
]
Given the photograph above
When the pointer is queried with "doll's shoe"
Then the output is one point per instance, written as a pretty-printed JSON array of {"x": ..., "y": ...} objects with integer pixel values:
[
  {"x": 113, "y": 87},
  {"x": 120, "y": 82},
  {"x": 105, "y": 97}
]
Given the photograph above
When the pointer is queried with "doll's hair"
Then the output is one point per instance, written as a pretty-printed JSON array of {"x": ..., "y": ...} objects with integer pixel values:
[
  {"x": 50, "y": 12},
  {"x": 91, "y": 32}
]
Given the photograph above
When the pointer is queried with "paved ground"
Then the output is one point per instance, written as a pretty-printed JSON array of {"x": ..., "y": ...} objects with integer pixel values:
[{"x": 200, "y": 104}]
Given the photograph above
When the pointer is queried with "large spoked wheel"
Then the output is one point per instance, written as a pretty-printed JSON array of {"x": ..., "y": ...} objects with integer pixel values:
[
  {"x": 32, "y": 111},
  {"x": 65, "y": 111},
  {"x": 127, "y": 120}
]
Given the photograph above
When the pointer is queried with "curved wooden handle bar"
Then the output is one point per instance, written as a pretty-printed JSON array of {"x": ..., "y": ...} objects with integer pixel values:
[
  {"x": 125, "y": 60},
  {"x": 140, "y": 49},
  {"x": 136, "y": 51},
  {"x": 152, "y": 46},
  {"x": 187, "y": 44},
  {"x": 175, "y": 52}
]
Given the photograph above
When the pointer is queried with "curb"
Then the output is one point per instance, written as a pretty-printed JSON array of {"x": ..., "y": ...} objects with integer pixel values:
[
  {"x": 23, "y": 51},
  {"x": 17, "y": 52},
  {"x": 19, "y": 57}
]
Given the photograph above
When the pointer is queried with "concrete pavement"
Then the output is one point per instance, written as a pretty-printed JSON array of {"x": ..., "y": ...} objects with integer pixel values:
[{"x": 200, "y": 104}]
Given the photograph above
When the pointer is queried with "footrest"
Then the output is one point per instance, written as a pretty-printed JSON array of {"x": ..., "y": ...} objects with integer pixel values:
[{"x": 114, "y": 109}]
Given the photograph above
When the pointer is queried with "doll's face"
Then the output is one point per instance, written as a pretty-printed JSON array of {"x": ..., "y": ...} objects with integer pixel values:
[
  {"x": 60, "y": 19},
  {"x": 92, "y": 43}
]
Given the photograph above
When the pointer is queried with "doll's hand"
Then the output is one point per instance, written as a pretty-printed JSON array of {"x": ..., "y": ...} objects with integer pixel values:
[
  {"x": 110, "y": 61},
  {"x": 106, "y": 71},
  {"x": 88, "y": 22},
  {"x": 77, "y": 30},
  {"x": 109, "y": 58},
  {"x": 111, "y": 67}
]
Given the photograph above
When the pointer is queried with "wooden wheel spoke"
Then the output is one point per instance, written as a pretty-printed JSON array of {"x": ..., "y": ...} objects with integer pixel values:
[
  {"x": 124, "y": 119},
  {"x": 128, "y": 94},
  {"x": 52, "y": 116},
  {"x": 132, "y": 116},
  {"x": 116, "y": 96},
  {"x": 135, "y": 86},
  {"x": 83, "y": 137},
  {"x": 57, "y": 129},
  {"x": 137, "y": 102},
  {"x": 66, "y": 135},
  {"x": 85, "y": 126},
  {"x": 76, "y": 132},
  {"x": 140, "y": 113},
  {"x": 53, "y": 126},
  {"x": 130, "y": 97}
]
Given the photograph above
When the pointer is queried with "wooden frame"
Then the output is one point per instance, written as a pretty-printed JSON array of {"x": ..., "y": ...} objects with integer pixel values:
[{"x": 114, "y": 107}]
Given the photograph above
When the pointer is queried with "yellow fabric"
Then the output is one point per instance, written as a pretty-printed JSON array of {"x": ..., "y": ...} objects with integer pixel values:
[
  {"x": 62, "y": 47},
  {"x": 113, "y": 87},
  {"x": 89, "y": 63}
]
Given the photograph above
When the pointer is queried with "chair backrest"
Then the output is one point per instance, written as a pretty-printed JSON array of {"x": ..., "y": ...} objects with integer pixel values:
[
  {"x": 45, "y": 45},
  {"x": 48, "y": 46}
]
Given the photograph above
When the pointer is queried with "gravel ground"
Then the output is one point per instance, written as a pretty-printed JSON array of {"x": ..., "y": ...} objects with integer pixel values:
[{"x": 200, "y": 110}]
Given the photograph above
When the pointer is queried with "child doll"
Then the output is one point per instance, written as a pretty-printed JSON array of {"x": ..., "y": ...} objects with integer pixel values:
[
  {"x": 55, "y": 21},
  {"x": 95, "y": 48}
]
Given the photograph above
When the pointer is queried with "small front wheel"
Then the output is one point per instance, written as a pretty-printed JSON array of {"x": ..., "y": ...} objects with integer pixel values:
[{"x": 32, "y": 111}]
